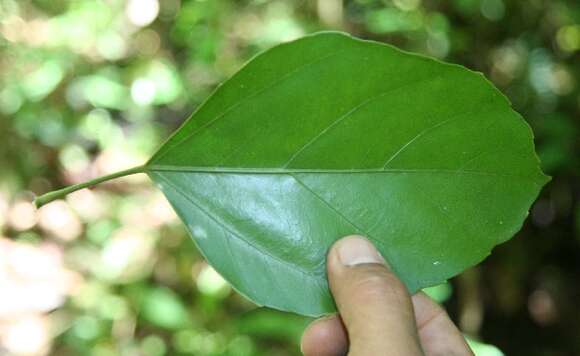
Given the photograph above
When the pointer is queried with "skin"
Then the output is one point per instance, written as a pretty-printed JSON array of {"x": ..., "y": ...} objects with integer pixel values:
[{"x": 377, "y": 316}]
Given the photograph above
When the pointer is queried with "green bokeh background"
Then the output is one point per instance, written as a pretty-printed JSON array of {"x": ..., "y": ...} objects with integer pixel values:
[{"x": 88, "y": 87}]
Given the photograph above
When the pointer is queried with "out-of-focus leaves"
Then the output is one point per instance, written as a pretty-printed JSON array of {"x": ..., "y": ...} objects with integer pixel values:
[
  {"x": 100, "y": 90},
  {"x": 159, "y": 83},
  {"x": 483, "y": 349},
  {"x": 38, "y": 84},
  {"x": 393, "y": 20},
  {"x": 163, "y": 308},
  {"x": 439, "y": 293},
  {"x": 560, "y": 138},
  {"x": 273, "y": 325}
]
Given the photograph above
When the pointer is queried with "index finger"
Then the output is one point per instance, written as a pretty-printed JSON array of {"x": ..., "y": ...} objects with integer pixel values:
[{"x": 438, "y": 334}]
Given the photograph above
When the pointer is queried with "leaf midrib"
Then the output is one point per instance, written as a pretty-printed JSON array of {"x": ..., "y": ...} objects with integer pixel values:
[{"x": 286, "y": 171}]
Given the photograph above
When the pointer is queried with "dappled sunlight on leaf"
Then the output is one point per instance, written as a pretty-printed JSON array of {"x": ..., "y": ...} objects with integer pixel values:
[
  {"x": 211, "y": 283},
  {"x": 33, "y": 279},
  {"x": 29, "y": 335},
  {"x": 59, "y": 220},
  {"x": 22, "y": 215},
  {"x": 126, "y": 256},
  {"x": 89, "y": 205}
]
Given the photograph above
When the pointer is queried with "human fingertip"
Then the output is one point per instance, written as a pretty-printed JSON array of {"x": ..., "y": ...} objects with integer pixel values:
[
  {"x": 325, "y": 337},
  {"x": 354, "y": 250}
]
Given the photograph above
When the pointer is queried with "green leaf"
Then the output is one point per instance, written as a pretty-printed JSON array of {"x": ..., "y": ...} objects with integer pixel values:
[
  {"x": 163, "y": 308},
  {"x": 330, "y": 135}
]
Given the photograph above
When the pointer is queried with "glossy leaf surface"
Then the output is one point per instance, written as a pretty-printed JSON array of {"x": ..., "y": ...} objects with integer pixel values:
[{"x": 330, "y": 135}]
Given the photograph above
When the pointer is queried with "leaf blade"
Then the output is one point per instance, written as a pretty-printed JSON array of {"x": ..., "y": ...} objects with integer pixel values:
[{"x": 403, "y": 149}]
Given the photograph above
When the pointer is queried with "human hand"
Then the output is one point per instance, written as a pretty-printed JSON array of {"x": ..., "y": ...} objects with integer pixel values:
[{"x": 377, "y": 314}]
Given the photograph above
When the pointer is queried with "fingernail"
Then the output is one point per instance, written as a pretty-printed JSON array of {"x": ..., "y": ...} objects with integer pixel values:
[{"x": 355, "y": 250}]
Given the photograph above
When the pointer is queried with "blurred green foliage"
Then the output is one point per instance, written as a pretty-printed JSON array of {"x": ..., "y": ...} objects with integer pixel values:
[{"x": 90, "y": 87}]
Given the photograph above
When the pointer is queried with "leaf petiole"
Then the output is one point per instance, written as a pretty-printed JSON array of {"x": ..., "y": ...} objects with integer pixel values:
[{"x": 57, "y": 194}]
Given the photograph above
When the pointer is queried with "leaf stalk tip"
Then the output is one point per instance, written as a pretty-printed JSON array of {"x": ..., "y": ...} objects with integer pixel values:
[{"x": 61, "y": 193}]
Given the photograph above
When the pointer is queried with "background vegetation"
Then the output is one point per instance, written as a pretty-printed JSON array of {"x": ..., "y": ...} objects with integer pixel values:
[{"x": 90, "y": 87}]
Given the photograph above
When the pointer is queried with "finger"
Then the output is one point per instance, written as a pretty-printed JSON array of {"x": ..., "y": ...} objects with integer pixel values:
[
  {"x": 438, "y": 334},
  {"x": 374, "y": 304},
  {"x": 325, "y": 337}
]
